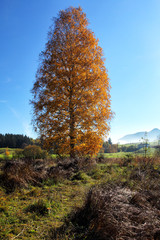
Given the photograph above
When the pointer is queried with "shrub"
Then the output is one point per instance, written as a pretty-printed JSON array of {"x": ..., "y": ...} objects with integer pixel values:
[{"x": 34, "y": 152}]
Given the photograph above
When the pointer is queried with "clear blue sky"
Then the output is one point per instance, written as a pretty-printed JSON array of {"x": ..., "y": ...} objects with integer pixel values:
[{"x": 128, "y": 32}]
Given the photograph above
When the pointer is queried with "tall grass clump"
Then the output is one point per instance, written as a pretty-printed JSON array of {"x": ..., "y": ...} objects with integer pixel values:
[
  {"x": 113, "y": 212},
  {"x": 17, "y": 174}
]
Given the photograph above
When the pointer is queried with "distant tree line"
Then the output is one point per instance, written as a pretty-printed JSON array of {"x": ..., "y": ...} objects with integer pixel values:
[
  {"x": 14, "y": 140},
  {"x": 132, "y": 147},
  {"x": 109, "y": 147}
]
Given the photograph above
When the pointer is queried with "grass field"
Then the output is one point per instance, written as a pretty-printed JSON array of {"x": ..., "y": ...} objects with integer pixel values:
[
  {"x": 12, "y": 153},
  {"x": 3, "y": 152},
  {"x": 115, "y": 155},
  {"x": 150, "y": 152},
  {"x": 30, "y": 213},
  {"x": 58, "y": 200}
]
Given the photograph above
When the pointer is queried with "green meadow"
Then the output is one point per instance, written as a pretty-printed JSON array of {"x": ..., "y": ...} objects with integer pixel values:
[{"x": 41, "y": 199}]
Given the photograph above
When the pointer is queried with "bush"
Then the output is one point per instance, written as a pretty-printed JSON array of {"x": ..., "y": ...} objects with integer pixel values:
[{"x": 34, "y": 152}]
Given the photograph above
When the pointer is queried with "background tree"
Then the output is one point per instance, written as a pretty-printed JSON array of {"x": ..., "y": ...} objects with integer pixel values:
[
  {"x": 109, "y": 147},
  {"x": 71, "y": 94},
  {"x": 14, "y": 140}
]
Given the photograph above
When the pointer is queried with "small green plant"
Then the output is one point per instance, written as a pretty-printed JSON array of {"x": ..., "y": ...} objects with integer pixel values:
[{"x": 81, "y": 176}]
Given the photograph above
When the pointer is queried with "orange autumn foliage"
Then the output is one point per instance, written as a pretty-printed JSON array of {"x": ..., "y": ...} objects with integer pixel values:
[
  {"x": 71, "y": 94},
  {"x": 7, "y": 152}
]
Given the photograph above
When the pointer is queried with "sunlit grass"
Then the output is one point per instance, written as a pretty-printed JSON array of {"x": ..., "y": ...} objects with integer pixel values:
[
  {"x": 9, "y": 150},
  {"x": 19, "y": 218},
  {"x": 59, "y": 199}
]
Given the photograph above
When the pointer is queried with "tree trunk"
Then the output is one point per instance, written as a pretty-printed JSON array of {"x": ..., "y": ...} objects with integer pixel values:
[
  {"x": 72, "y": 126},
  {"x": 72, "y": 138}
]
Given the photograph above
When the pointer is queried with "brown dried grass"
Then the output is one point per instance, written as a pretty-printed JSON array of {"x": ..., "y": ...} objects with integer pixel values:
[
  {"x": 118, "y": 213},
  {"x": 16, "y": 174}
]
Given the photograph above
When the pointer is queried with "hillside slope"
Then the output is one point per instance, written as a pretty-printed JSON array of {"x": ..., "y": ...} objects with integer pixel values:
[{"x": 152, "y": 135}]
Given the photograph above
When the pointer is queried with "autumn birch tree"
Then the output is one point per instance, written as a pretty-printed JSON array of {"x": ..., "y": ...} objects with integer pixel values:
[{"x": 71, "y": 94}]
